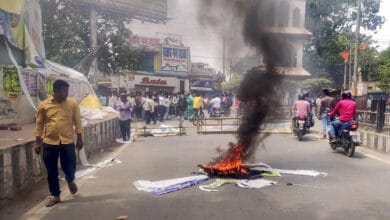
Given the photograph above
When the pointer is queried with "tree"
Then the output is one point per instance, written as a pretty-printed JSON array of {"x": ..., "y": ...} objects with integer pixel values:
[
  {"x": 234, "y": 83},
  {"x": 66, "y": 31},
  {"x": 316, "y": 85},
  {"x": 384, "y": 69},
  {"x": 330, "y": 22}
]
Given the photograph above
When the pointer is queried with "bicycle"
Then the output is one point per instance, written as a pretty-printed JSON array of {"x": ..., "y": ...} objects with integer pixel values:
[{"x": 197, "y": 118}]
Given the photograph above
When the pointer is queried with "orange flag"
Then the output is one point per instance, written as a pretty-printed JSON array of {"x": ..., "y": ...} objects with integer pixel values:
[
  {"x": 363, "y": 46},
  {"x": 345, "y": 56}
]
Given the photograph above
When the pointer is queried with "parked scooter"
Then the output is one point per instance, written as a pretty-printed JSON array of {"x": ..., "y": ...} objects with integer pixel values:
[{"x": 348, "y": 139}]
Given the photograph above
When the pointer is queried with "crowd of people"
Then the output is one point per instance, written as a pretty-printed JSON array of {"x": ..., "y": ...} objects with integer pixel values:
[{"x": 160, "y": 106}]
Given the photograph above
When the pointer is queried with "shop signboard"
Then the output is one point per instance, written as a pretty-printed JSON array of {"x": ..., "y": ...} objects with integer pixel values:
[
  {"x": 141, "y": 42},
  {"x": 175, "y": 58},
  {"x": 201, "y": 85},
  {"x": 145, "y": 10}
]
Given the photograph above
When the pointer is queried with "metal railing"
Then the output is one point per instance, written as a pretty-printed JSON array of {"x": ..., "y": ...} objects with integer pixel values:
[{"x": 375, "y": 121}]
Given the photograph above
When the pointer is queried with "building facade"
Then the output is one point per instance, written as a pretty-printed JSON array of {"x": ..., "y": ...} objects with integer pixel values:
[
  {"x": 286, "y": 20},
  {"x": 205, "y": 79},
  {"x": 164, "y": 66}
]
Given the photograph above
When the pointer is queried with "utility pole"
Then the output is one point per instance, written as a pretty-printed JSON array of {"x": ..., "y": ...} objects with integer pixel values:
[
  {"x": 92, "y": 70},
  {"x": 350, "y": 66},
  {"x": 224, "y": 55},
  {"x": 356, "y": 58}
]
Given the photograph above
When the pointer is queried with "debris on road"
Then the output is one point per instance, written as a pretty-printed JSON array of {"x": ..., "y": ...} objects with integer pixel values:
[
  {"x": 255, "y": 184},
  {"x": 167, "y": 186},
  {"x": 213, "y": 187},
  {"x": 164, "y": 130},
  {"x": 302, "y": 172}
]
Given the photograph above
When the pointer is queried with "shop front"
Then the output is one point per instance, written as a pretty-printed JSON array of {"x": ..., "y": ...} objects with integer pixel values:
[{"x": 148, "y": 83}]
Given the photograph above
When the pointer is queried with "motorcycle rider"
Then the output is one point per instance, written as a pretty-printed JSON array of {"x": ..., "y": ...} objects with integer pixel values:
[
  {"x": 346, "y": 107},
  {"x": 215, "y": 104},
  {"x": 302, "y": 108}
]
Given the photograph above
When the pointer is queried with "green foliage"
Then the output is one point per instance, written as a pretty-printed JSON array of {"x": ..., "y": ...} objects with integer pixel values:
[
  {"x": 234, "y": 83},
  {"x": 66, "y": 31},
  {"x": 384, "y": 70},
  {"x": 316, "y": 85},
  {"x": 330, "y": 21}
]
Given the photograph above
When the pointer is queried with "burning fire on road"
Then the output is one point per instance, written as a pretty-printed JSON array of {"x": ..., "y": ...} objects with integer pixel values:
[{"x": 258, "y": 91}]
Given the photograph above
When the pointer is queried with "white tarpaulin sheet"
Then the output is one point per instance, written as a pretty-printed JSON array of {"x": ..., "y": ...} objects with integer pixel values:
[{"x": 170, "y": 185}]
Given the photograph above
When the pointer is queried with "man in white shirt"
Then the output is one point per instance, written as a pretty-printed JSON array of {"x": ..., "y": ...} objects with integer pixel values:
[
  {"x": 148, "y": 108},
  {"x": 215, "y": 103}
]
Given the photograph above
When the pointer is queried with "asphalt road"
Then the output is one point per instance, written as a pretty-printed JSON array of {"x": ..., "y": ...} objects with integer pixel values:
[{"x": 355, "y": 188}]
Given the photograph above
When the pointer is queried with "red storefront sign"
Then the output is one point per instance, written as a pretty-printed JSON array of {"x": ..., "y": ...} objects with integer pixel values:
[{"x": 148, "y": 81}]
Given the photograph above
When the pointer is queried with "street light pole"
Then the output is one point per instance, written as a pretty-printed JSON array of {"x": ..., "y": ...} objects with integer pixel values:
[{"x": 356, "y": 57}]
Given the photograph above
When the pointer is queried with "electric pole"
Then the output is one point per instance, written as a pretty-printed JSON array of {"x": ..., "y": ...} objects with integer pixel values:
[
  {"x": 356, "y": 58},
  {"x": 224, "y": 55},
  {"x": 92, "y": 70}
]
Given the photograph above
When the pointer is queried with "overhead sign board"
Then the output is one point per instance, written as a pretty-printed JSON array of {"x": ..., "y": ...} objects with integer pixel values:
[
  {"x": 140, "y": 42},
  {"x": 146, "y": 10},
  {"x": 175, "y": 58}
]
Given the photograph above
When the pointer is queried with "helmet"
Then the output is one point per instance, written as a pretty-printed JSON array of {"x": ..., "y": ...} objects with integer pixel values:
[{"x": 346, "y": 95}]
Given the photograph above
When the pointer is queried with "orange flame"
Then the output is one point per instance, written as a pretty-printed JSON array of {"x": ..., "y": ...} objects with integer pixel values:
[{"x": 231, "y": 164}]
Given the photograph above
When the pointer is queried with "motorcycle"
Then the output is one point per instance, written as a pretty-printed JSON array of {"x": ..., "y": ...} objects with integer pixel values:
[
  {"x": 215, "y": 112},
  {"x": 301, "y": 127},
  {"x": 348, "y": 140}
]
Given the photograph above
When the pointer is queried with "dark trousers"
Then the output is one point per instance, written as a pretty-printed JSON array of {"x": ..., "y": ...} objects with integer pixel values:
[
  {"x": 161, "y": 112},
  {"x": 148, "y": 116},
  {"x": 125, "y": 129},
  {"x": 67, "y": 155},
  {"x": 138, "y": 112}
]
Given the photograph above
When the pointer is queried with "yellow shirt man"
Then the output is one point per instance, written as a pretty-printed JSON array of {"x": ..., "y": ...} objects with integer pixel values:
[
  {"x": 197, "y": 102},
  {"x": 55, "y": 121}
]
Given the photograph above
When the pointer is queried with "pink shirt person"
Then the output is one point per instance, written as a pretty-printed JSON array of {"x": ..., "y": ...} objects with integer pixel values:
[
  {"x": 302, "y": 108},
  {"x": 346, "y": 108}
]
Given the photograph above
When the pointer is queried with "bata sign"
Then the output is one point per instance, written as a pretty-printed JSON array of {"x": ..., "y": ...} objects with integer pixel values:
[{"x": 148, "y": 81}]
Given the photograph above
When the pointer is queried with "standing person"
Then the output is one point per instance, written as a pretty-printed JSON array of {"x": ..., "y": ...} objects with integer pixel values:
[
  {"x": 113, "y": 100},
  {"x": 161, "y": 107},
  {"x": 125, "y": 108},
  {"x": 138, "y": 106},
  {"x": 227, "y": 104},
  {"x": 131, "y": 99},
  {"x": 148, "y": 108},
  {"x": 103, "y": 100},
  {"x": 55, "y": 120},
  {"x": 181, "y": 108},
  {"x": 326, "y": 105},
  {"x": 190, "y": 110},
  {"x": 175, "y": 99},
  {"x": 166, "y": 104}
]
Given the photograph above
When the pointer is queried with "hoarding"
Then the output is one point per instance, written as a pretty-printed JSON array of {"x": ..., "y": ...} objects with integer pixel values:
[
  {"x": 175, "y": 58},
  {"x": 141, "y": 42},
  {"x": 145, "y": 10}
]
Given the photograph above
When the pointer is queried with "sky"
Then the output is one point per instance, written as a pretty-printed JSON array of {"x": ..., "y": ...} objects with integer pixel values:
[
  {"x": 383, "y": 35},
  {"x": 205, "y": 43}
]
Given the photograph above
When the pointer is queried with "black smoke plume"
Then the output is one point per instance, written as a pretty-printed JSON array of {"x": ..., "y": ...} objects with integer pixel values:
[{"x": 258, "y": 91}]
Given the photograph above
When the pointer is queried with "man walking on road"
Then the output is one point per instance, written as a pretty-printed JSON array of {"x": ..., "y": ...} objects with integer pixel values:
[
  {"x": 326, "y": 105},
  {"x": 55, "y": 120}
]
